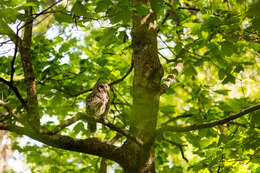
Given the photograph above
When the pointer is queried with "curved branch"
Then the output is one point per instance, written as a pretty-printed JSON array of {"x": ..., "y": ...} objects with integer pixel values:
[
  {"x": 207, "y": 124},
  {"x": 15, "y": 90},
  {"x": 92, "y": 146},
  {"x": 82, "y": 116},
  {"x": 178, "y": 145},
  {"x": 127, "y": 73}
]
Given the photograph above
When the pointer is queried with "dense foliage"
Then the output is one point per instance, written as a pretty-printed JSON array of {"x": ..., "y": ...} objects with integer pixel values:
[{"x": 209, "y": 51}]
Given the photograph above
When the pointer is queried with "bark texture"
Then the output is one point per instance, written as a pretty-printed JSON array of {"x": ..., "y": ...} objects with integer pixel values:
[
  {"x": 26, "y": 55},
  {"x": 148, "y": 72}
]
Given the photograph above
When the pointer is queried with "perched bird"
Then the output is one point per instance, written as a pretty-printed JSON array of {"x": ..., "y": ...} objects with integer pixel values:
[{"x": 97, "y": 103}]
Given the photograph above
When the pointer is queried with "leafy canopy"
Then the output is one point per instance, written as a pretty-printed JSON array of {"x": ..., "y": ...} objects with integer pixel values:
[{"x": 214, "y": 45}]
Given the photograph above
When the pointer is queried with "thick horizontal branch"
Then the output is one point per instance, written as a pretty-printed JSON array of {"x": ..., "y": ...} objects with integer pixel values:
[
  {"x": 207, "y": 124},
  {"x": 92, "y": 146}
]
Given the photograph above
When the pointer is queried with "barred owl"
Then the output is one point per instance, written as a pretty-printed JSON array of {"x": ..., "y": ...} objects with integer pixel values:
[{"x": 97, "y": 103}]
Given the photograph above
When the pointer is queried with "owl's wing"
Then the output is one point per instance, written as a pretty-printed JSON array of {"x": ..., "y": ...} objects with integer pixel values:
[{"x": 93, "y": 104}]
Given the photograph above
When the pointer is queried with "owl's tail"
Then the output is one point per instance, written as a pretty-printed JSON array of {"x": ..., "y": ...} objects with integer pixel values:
[{"x": 92, "y": 126}]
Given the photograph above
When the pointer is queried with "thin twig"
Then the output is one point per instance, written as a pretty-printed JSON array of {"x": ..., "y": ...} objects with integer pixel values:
[
  {"x": 127, "y": 73},
  {"x": 15, "y": 90},
  {"x": 176, "y": 144},
  {"x": 14, "y": 56}
]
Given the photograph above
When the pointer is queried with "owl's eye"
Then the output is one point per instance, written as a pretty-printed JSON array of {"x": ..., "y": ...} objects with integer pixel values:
[{"x": 101, "y": 86}]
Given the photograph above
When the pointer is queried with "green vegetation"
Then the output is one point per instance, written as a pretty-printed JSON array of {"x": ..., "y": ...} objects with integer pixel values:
[{"x": 184, "y": 78}]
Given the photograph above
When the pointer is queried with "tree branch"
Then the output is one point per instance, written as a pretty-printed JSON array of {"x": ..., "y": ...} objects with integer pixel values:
[
  {"x": 207, "y": 124},
  {"x": 92, "y": 146},
  {"x": 14, "y": 56},
  {"x": 84, "y": 116},
  {"x": 33, "y": 117},
  {"x": 178, "y": 145},
  {"x": 15, "y": 90},
  {"x": 127, "y": 73}
]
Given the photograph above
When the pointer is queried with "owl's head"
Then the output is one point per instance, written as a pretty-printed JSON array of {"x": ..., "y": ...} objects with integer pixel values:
[{"x": 101, "y": 87}]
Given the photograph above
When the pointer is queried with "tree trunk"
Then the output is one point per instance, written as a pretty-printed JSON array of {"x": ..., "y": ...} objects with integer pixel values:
[{"x": 148, "y": 72}]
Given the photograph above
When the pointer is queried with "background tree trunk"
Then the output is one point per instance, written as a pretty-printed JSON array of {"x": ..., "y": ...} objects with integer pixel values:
[{"x": 5, "y": 151}]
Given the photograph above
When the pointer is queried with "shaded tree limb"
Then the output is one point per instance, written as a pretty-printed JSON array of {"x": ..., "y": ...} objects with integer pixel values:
[
  {"x": 14, "y": 56},
  {"x": 207, "y": 124},
  {"x": 46, "y": 9},
  {"x": 15, "y": 90},
  {"x": 92, "y": 146}
]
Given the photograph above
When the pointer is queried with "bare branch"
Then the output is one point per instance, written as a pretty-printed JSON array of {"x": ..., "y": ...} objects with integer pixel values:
[
  {"x": 207, "y": 124},
  {"x": 15, "y": 90},
  {"x": 178, "y": 145},
  {"x": 45, "y": 10},
  {"x": 14, "y": 56},
  {"x": 127, "y": 73}
]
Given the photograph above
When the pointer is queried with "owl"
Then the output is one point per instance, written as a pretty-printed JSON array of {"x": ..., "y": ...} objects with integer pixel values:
[{"x": 97, "y": 103}]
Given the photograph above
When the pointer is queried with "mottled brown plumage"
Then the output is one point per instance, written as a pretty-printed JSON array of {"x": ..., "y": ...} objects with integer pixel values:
[{"x": 97, "y": 103}]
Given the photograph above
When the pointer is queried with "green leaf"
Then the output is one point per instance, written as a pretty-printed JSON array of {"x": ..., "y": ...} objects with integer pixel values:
[
  {"x": 229, "y": 78},
  {"x": 78, "y": 128},
  {"x": 103, "y": 5},
  {"x": 227, "y": 48},
  {"x": 221, "y": 74},
  {"x": 222, "y": 91},
  {"x": 169, "y": 109},
  {"x": 255, "y": 118},
  {"x": 239, "y": 68},
  {"x": 61, "y": 17},
  {"x": 157, "y": 5},
  {"x": 79, "y": 9}
]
